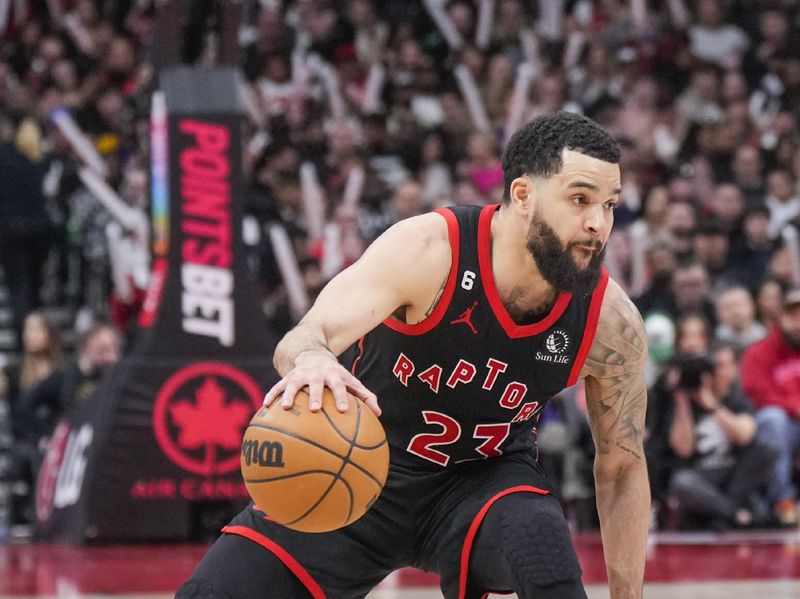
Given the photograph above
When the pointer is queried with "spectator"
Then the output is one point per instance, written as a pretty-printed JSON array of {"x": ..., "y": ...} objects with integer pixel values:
[
  {"x": 727, "y": 205},
  {"x": 566, "y": 453},
  {"x": 774, "y": 44},
  {"x": 715, "y": 40},
  {"x": 39, "y": 410},
  {"x": 25, "y": 231},
  {"x": 680, "y": 222},
  {"x": 738, "y": 326},
  {"x": 660, "y": 263},
  {"x": 751, "y": 256},
  {"x": 747, "y": 175},
  {"x": 711, "y": 431},
  {"x": 769, "y": 300},
  {"x": 41, "y": 354},
  {"x": 692, "y": 335},
  {"x": 651, "y": 224},
  {"x": 771, "y": 379},
  {"x": 711, "y": 246},
  {"x": 482, "y": 166},
  {"x": 782, "y": 201},
  {"x": 371, "y": 34},
  {"x": 433, "y": 172},
  {"x": 687, "y": 292},
  {"x": 699, "y": 102}
]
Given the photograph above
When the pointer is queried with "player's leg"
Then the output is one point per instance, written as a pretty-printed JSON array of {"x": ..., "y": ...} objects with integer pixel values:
[
  {"x": 237, "y": 568},
  {"x": 524, "y": 545}
]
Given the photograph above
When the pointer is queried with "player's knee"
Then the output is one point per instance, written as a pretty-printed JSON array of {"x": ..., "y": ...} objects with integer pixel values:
[
  {"x": 536, "y": 542},
  {"x": 201, "y": 589}
]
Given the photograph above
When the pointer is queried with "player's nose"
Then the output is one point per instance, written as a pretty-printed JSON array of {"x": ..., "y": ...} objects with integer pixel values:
[{"x": 595, "y": 221}]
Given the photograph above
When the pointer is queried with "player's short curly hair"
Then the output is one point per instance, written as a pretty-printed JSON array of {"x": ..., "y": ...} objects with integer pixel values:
[{"x": 535, "y": 149}]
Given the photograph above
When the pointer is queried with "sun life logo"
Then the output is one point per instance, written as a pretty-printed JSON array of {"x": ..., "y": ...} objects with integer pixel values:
[{"x": 557, "y": 342}]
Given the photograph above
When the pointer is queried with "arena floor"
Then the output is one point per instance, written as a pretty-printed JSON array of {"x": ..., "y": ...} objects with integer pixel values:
[{"x": 753, "y": 565}]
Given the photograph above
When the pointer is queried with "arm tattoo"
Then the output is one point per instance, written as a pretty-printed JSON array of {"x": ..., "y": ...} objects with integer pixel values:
[
  {"x": 615, "y": 365},
  {"x": 436, "y": 299}
]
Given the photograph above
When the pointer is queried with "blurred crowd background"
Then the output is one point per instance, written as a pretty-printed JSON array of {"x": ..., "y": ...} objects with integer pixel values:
[{"x": 381, "y": 110}]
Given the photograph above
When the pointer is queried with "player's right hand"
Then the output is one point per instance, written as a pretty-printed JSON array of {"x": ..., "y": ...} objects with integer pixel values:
[{"x": 317, "y": 370}]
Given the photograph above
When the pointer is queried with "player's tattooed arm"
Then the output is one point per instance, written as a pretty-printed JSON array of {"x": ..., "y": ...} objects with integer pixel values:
[
  {"x": 614, "y": 369},
  {"x": 616, "y": 399}
]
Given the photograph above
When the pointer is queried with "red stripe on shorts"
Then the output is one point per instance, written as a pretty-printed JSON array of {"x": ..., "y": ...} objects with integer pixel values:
[{"x": 283, "y": 555}]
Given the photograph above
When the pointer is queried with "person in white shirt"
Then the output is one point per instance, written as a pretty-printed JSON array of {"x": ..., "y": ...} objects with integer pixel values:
[
  {"x": 714, "y": 40},
  {"x": 782, "y": 201}
]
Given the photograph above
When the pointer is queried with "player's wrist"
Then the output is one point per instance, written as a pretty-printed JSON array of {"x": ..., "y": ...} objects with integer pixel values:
[{"x": 311, "y": 351}]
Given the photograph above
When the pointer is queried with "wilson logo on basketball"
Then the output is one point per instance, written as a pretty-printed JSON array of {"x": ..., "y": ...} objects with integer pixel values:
[
  {"x": 200, "y": 415},
  {"x": 265, "y": 453}
]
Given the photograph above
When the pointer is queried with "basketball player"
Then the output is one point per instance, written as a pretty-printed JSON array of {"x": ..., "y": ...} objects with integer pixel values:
[{"x": 464, "y": 322}]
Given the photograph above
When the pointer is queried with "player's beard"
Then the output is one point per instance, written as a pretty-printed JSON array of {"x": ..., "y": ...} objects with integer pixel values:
[{"x": 556, "y": 263}]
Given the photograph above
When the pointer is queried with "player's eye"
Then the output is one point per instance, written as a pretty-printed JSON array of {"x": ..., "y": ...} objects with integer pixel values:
[
  {"x": 578, "y": 200},
  {"x": 611, "y": 206}
]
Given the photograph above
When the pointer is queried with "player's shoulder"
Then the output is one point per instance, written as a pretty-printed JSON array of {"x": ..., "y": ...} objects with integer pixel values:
[
  {"x": 430, "y": 226},
  {"x": 617, "y": 306},
  {"x": 620, "y": 336},
  {"x": 413, "y": 244},
  {"x": 423, "y": 234}
]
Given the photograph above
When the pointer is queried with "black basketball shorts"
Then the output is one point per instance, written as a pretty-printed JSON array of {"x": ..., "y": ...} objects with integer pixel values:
[{"x": 435, "y": 520}]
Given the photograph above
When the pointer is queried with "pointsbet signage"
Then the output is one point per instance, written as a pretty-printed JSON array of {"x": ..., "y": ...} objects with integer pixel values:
[{"x": 159, "y": 441}]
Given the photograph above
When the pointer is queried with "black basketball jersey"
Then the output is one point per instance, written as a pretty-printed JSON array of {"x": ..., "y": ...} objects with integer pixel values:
[{"x": 468, "y": 382}]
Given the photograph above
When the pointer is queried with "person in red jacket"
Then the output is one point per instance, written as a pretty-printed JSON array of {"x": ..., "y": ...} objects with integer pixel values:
[{"x": 770, "y": 374}]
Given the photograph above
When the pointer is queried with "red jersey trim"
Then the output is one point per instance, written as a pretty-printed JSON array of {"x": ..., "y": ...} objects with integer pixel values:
[
  {"x": 359, "y": 356},
  {"x": 592, "y": 318},
  {"x": 290, "y": 562},
  {"x": 511, "y": 328},
  {"x": 476, "y": 524},
  {"x": 431, "y": 321}
]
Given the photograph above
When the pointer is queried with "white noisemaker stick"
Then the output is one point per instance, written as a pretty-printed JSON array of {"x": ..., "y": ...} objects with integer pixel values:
[
  {"x": 313, "y": 202},
  {"x": 372, "y": 89},
  {"x": 483, "y": 32},
  {"x": 354, "y": 186},
  {"x": 129, "y": 217},
  {"x": 79, "y": 142},
  {"x": 470, "y": 92},
  {"x": 287, "y": 264},
  {"x": 519, "y": 100},
  {"x": 436, "y": 10}
]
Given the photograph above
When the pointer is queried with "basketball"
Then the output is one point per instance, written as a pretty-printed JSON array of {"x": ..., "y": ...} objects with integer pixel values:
[{"x": 315, "y": 472}]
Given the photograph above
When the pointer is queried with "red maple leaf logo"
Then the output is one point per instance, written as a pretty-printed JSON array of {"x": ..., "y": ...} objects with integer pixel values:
[{"x": 210, "y": 420}]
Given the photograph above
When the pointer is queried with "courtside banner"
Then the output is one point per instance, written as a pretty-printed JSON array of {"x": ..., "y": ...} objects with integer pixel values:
[{"x": 156, "y": 449}]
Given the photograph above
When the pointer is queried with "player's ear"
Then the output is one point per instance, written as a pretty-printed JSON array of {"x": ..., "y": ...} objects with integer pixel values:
[{"x": 521, "y": 193}]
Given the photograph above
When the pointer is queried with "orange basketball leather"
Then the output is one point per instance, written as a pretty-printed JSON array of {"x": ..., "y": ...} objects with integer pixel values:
[{"x": 315, "y": 472}]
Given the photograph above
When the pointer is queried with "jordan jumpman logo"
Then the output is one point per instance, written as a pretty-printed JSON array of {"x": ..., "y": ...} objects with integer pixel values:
[{"x": 466, "y": 317}]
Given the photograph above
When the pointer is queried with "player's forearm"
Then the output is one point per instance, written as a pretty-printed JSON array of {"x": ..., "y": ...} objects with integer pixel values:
[
  {"x": 304, "y": 338},
  {"x": 623, "y": 503}
]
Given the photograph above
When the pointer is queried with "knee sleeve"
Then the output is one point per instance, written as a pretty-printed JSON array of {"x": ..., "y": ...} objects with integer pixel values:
[{"x": 529, "y": 535}]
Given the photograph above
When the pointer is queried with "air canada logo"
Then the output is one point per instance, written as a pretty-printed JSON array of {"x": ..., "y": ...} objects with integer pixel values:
[
  {"x": 557, "y": 342},
  {"x": 200, "y": 415}
]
